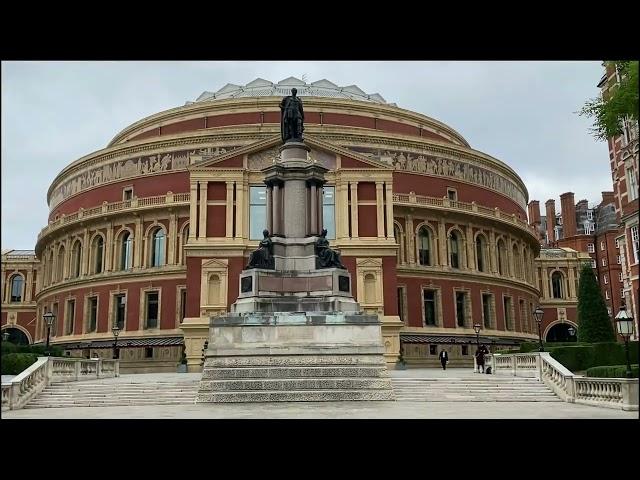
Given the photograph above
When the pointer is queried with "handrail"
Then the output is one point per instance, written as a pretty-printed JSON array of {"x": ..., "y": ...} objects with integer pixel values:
[{"x": 46, "y": 370}]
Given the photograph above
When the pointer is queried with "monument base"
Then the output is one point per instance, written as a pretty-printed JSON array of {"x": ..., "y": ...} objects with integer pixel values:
[{"x": 294, "y": 357}]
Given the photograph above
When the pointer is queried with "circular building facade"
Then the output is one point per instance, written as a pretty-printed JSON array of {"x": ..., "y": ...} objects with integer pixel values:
[{"x": 151, "y": 232}]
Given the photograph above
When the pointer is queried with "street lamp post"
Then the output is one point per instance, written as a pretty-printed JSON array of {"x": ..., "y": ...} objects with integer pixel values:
[
  {"x": 538, "y": 313},
  {"x": 624, "y": 325},
  {"x": 48, "y": 318},
  {"x": 116, "y": 331},
  {"x": 572, "y": 331},
  {"x": 5, "y": 336},
  {"x": 476, "y": 328}
]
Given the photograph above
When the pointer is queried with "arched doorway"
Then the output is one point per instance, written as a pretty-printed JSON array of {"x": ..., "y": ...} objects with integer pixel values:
[
  {"x": 16, "y": 336},
  {"x": 560, "y": 333}
]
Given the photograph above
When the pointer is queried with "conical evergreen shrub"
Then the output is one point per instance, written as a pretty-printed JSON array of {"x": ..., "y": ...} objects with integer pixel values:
[{"x": 594, "y": 324}]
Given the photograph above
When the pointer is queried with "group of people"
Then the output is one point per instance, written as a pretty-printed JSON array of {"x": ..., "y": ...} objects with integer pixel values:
[{"x": 480, "y": 353}]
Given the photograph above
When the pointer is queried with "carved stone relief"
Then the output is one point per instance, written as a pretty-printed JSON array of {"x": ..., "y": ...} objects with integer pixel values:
[{"x": 264, "y": 158}]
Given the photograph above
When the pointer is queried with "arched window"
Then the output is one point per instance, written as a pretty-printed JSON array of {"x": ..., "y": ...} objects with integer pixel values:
[
  {"x": 214, "y": 290},
  {"x": 454, "y": 250},
  {"x": 481, "y": 260},
  {"x": 502, "y": 257},
  {"x": 185, "y": 239},
  {"x": 60, "y": 266},
  {"x": 398, "y": 237},
  {"x": 17, "y": 282},
  {"x": 50, "y": 277},
  {"x": 557, "y": 285},
  {"x": 126, "y": 251},
  {"x": 424, "y": 246},
  {"x": 157, "y": 247},
  {"x": 97, "y": 250},
  {"x": 76, "y": 259},
  {"x": 369, "y": 288},
  {"x": 517, "y": 266}
]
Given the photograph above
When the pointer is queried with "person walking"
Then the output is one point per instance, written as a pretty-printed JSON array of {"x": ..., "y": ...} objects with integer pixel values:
[
  {"x": 444, "y": 359},
  {"x": 480, "y": 358}
]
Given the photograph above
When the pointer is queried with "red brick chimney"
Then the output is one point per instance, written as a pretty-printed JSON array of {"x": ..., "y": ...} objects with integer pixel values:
[
  {"x": 567, "y": 203},
  {"x": 551, "y": 219},
  {"x": 607, "y": 198},
  {"x": 534, "y": 212}
]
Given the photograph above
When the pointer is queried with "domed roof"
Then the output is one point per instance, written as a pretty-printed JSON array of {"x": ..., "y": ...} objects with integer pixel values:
[{"x": 264, "y": 88}]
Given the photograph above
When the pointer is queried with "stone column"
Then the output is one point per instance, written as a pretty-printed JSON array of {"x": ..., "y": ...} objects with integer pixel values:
[
  {"x": 545, "y": 282},
  {"x": 442, "y": 243},
  {"x": 572, "y": 283},
  {"x": 410, "y": 240},
  {"x": 193, "y": 210},
  {"x": 68, "y": 256},
  {"x": 202, "y": 228},
  {"x": 270, "y": 209},
  {"x": 492, "y": 252},
  {"x": 276, "y": 210},
  {"x": 138, "y": 242},
  {"x": 3, "y": 284},
  {"x": 28, "y": 285},
  {"x": 240, "y": 196},
  {"x": 172, "y": 237},
  {"x": 342, "y": 210},
  {"x": 389, "y": 209},
  {"x": 353, "y": 187},
  {"x": 108, "y": 254},
  {"x": 510, "y": 259},
  {"x": 380, "y": 209},
  {"x": 229, "y": 219},
  {"x": 313, "y": 197},
  {"x": 86, "y": 248},
  {"x": 471, "y": 258},
  {"x": 320, "y": 212}
]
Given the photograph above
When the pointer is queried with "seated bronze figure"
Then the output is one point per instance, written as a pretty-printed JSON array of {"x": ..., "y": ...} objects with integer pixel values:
[
  {"x": 263, "y": 256},
  {"x": 325, "y": 257}
]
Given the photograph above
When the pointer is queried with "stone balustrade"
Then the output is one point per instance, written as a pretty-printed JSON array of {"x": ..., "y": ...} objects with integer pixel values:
[
  {"x": 25, "y": 386},
  {"x": 602, "y": 392}
]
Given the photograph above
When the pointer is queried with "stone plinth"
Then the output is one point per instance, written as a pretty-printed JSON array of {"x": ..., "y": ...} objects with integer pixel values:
[{"x": 294, "y": 357}]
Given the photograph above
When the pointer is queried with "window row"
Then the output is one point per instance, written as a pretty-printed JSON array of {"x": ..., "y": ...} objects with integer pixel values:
[
  {"x": 116, "y": 311},
  {"x": 61, "y": 266}
]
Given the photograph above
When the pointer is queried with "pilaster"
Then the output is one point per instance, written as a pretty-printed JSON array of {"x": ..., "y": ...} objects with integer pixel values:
[
  {"x": 353, "y": 187},
  {"x": 380, "y": 208}
]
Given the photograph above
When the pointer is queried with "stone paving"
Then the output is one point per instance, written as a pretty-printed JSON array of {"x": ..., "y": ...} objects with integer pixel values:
[{"x": 329, "y": 410}]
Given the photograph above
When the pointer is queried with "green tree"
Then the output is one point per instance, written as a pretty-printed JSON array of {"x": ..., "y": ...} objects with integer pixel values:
[
  {"x": 594, "y": 324},
  {"x": 621, "y": 102}
]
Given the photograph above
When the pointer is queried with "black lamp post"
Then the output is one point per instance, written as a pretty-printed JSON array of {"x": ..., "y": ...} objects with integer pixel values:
[
  {"x": 476, "y": 328},
  {"x": 5, "y": 336},
  {"x": 538, "y": 313},
  {"x": 572, "y": 331},
  {"x": 48, "y": 318},
  {"x": 116, "y": 331},
  {"x": 624, "y": 325}
]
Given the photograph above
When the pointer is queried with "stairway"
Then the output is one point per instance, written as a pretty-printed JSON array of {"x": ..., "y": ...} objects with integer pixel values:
[
  {"x": 480, "y": 388},
  {"x": 129, "y": 393}
]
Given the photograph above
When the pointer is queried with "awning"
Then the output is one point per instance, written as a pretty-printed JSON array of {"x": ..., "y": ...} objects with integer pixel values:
[
  {"x": 131, "y": 342},
  {"x": 454, "y": 339}
]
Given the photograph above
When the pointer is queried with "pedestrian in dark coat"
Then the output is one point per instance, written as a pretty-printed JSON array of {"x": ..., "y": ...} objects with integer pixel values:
[{"x": 444, "y": 359}]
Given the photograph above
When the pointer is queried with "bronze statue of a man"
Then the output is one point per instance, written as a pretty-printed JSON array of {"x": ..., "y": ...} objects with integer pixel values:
[{"x": 292, "y": 118}]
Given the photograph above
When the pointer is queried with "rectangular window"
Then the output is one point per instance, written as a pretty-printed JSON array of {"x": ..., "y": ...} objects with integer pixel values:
[
  {"x": 465, "y": 350},
  {"x": 601, "y": 245},
  {"x": 635, "y": 242},
  {"x": 622, "y": 293},
  {"x": 593, "y": 263},
  {"x": 606, "y": 279},
  {"x": 151, "y": 316},
  {"x": 523, "y": 316},
  {"x": 632, "y": 181},
  {"x": 589, "y": 214},
  {"x": 604, "y": 262},
  {"x": 120, "y": 304},
  {"x": 590, "y": 248},
  {"x": 606, "y": 294},
  {"x": 127, "y": 194},
  {"x": 148, "y": 352},
  {"x": 508, "y": 320},
  {"x": 429, "y": 298},
  {"x": 401, "y": 299},
  {"x": 487, "y": 300},
  {"x": 617, "y": 243},
  {"x": 183, "y": 304},
  {"x": 329, "y": 211},
  {"x": 618, "y": 259},
  {"x": 71, "y": 315},
  {"x": 433, "y": 349},
  {"x": 93, "y": 313},
  {"x": 620, "y": 276},
  {"x": 257, "y": 212},
  {"x": 452, "y": 194},
  {"x": 461, "y": 309}
]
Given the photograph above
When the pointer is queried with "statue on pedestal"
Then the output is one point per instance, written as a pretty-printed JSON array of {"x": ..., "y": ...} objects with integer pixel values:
[
  {"x": 263, "y": 256},
  {"x": 326, "y": 258},
  {"x": 292, "y": 118}
]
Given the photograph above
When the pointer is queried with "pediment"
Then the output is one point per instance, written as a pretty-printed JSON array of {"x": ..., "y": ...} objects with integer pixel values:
[{"x": 215, "y": 263}]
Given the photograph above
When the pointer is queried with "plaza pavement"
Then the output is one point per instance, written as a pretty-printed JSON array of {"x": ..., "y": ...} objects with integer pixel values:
[{"x": 330, "y": 410}]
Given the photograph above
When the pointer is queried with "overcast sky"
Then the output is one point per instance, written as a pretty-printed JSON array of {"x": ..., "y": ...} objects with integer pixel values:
[{"x": 522, "y": 113}]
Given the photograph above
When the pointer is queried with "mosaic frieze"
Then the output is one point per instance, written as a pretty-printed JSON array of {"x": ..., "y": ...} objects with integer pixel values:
[
  {"x": 445, "y": 167},
  {"x": 134, "y": 167}
]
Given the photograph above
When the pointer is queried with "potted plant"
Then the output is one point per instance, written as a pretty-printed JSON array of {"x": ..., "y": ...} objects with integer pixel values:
[{"x": 182, "y": 366}]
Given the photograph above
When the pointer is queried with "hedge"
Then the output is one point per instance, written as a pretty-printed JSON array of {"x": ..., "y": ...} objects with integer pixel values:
[
  {"x": 585, "y": 356},
  {"x": 15, "y": 363},
  {"x": 39, "y": 350},
  {"x": 612, "y": 371}
]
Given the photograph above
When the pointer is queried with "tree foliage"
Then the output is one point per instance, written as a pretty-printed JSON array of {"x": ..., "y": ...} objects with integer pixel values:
[
  {"x": 621, "y": 102},
  {"x": 594, "y": 324}
]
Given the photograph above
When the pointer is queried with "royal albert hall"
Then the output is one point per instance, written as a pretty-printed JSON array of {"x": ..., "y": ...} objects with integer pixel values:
[{"x": 151, "y": 232}]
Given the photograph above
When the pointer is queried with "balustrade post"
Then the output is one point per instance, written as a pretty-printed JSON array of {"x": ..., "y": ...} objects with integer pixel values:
[
  {"x": 475, "y": 364},
  {"x": 99, "y": 368},
  {"x": 76, "y": 370},
  {"x": 571, "y": 389},
  {"x": 539, "y": 365},
  {"x": 513, "y": 365},
  {"x": 116, "y": 369}
]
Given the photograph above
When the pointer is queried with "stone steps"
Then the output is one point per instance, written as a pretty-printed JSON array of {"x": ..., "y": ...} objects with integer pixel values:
[
  {"x": 472, "y": 389},
  {"x": 267, "y": 372},
  {"x": 295, "y": 396},
  {"x": 294, "y": 384}
]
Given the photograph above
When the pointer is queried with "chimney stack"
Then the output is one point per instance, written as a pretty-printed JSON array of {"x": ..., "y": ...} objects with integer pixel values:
[
  {"x": 607, "y": 198},
  {"x": 534, "y": 212},
  {"x": 567, "y": 203},
  {"x": 551, "y": 219}
]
